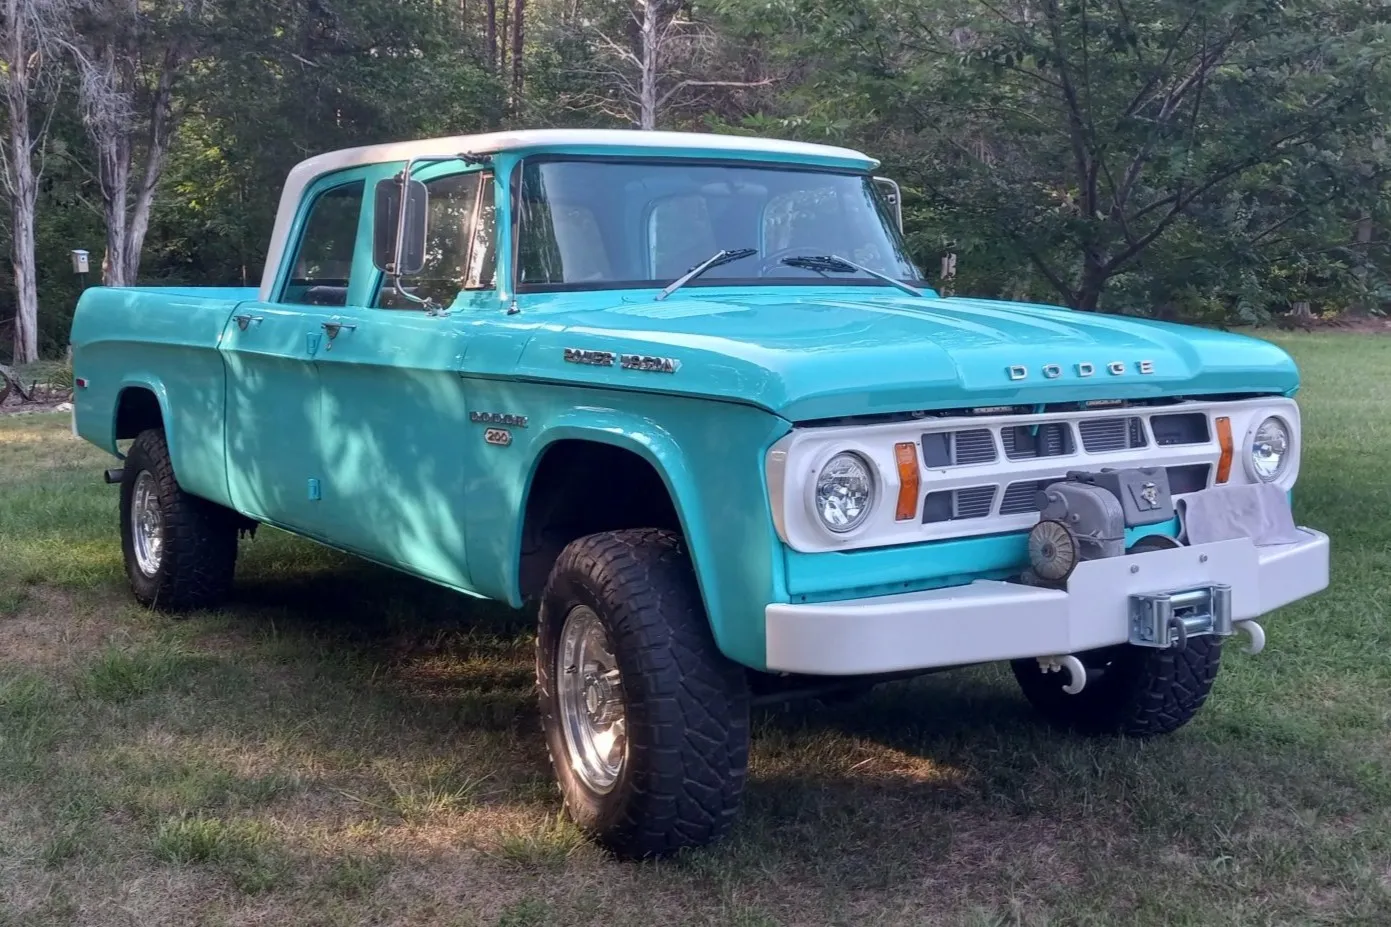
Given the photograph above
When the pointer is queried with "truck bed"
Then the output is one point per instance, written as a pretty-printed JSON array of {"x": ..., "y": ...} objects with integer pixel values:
[{"x": 135, "y": 345}]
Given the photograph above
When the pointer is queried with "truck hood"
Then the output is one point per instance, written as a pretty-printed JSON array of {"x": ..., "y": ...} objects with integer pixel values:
[{"x": 827, "y": 353}]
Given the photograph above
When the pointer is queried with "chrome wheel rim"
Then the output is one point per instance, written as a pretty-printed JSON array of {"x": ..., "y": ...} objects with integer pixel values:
[
  {"x": 147, "y": 524},
  {"x": 592, "y": 711}
]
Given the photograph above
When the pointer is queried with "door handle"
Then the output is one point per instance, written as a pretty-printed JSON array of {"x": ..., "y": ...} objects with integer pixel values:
[
  {"x": 333, "y": 328},
  {"x": 243, "y": 321}
]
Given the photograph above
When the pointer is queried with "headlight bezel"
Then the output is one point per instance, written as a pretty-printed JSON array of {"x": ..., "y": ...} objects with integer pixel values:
[
  {"x": 876, "y": 493},
  {"x": 1289, "y": 465}
]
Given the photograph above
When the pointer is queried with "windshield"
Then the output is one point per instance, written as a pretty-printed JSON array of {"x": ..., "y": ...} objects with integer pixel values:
[{"x": 585, "y": 224}]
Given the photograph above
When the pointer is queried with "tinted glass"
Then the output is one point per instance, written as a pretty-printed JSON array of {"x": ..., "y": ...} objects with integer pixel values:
[
  {"x": 324, "y": 253},
  {"x": 593, "y": 223}
]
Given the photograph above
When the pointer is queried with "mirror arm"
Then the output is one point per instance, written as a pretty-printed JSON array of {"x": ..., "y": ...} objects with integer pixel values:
[{"x": 429, "y": 305}]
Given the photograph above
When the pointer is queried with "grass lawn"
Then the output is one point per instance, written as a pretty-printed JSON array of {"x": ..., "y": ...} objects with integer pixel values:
[{"x": 346, "y": 746}]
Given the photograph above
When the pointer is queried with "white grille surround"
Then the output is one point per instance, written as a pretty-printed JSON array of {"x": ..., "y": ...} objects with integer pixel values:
[{"x": 794, "y": 461}]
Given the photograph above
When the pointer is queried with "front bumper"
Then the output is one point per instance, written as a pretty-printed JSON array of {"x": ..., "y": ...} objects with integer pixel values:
[{"x": 987, "y": 621}]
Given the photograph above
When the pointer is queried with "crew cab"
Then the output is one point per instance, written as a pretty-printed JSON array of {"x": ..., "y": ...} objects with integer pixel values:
[{"x": 690, "y": 396}]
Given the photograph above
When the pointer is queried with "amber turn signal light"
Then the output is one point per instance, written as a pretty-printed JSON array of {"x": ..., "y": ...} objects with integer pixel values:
[
  {"x": 906, "y": 456},
  {"x": 1224, "y": 439}
]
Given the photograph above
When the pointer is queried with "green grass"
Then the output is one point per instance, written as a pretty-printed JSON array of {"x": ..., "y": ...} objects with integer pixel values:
[{"x": 342, "y": 746}]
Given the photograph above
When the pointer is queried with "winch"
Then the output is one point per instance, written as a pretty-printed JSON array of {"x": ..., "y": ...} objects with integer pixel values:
[{"x": 1084, "y": 517}]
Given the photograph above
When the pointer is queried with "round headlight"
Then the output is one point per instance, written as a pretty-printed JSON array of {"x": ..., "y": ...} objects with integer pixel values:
[
  {"x": 1270, "y": 449},
  {"x": 844, "y": 492}
]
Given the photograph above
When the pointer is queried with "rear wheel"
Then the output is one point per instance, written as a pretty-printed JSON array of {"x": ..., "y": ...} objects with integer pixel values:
[
  {"x": 647, "y": 723},
  {"x": 180, "y": 550},
  {"x": 1136, "y": 691}
]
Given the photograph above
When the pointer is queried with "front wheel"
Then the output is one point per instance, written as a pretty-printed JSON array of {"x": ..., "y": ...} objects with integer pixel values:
[
  {"x": 180, "y": 550},
  {"x": 1135, "y": 691},
  {"x": 647, "y": 723}
]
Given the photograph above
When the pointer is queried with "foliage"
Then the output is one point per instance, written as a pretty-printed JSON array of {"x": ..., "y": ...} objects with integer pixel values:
[
  {"x": 1186, "y": 155},
  {"x": 1207, "y": 160}
]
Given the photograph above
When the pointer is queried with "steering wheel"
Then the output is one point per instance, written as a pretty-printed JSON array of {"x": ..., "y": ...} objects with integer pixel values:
[{"x": 773, "y": 262}]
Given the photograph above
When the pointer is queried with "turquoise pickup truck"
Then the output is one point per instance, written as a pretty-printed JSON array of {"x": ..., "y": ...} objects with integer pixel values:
[{"x": 690, "y": 395}]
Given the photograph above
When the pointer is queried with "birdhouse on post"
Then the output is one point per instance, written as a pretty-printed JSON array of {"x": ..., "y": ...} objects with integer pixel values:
[{"x": 81, "y": 261}]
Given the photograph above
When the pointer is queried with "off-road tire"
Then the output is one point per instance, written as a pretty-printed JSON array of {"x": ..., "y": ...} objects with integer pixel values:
[
  {"x": 686, "y": 704},
  {"x": 1138, "y": 691},
  {"x": 200, "y": 537}
]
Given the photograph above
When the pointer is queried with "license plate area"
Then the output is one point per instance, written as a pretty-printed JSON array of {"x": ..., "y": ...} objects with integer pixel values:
[{"x": 1167, "y": 619}]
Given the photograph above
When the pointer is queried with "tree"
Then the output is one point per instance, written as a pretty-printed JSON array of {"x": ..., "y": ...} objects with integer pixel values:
[
  {"x": 650, "y": 59},
  {"x": 31, "y": 37},
  {"x": 1085, "y": 138},
  {"x": 130, "y": 56},
  {"x": 518, "y": 35}
]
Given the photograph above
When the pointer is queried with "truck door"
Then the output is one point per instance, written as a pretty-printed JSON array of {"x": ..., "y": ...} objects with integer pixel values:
[
  {"x": 273, "y": 388},
  {"x": 394, "y": 418}
]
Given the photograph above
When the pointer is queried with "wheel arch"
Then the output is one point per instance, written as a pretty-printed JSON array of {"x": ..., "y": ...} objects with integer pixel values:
[
  {"x": 195, "y": 441},
  {"x": 140, "y": 404},
  {"x": 650, "y": 459}
]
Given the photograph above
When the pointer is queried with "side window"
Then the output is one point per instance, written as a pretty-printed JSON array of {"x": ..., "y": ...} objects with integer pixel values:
[
  {"x": 324, "y": 253},
  {"x": 460, "y": 243}
]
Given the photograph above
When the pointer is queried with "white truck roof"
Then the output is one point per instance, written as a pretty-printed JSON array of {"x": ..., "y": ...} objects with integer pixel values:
[{"x": 307, "y": 171}]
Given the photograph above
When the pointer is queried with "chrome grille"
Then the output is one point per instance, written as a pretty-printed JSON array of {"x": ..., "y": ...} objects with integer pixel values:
[
  {"x": 1049, "y": 439},
  {"x": 973, "y": 447},
  {"x": 954, "y": 505},
  {"x": 1181, "y": 428},
  {"x": 1019, "y": 497},
  {"x": 1112, "y": 434},
  {"x": 959, "y": 448}
]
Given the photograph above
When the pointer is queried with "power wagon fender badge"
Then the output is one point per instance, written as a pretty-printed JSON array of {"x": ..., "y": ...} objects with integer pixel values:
[
  {"x": 1084, "y": 369},
  {"x": 646, "y": 362},
  {"x": 498, "y": 418},
  {"x": 594, "y": 358}
]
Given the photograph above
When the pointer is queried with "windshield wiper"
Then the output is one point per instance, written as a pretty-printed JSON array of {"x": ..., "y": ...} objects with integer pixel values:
[
  {"x": 830, "y": 263},
  {"x": 717, "y": 259}
]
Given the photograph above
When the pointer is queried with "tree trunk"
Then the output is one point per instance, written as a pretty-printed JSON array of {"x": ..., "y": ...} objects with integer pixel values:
[
  {"x": 1094, "y": 277},
  {"x": 518, "y": 27},
  {"x": 648, "y": 87},
  {"x": 26, "y": 329},
  {"x": 490, "y": 28},
  {"x": 22, "y": 182},
  {"x": 113, "y": 173},
  {"x": 111, "y": 97},
  {"x": 502, "y": 31}
]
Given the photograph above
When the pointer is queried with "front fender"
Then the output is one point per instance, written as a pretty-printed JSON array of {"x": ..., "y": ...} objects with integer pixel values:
[{"x": 709, "y": 457}]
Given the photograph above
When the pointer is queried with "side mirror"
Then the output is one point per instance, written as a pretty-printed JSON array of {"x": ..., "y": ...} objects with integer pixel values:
[
  {"x": 892, "y": 195},
  {"x": 398, "y": 235}
]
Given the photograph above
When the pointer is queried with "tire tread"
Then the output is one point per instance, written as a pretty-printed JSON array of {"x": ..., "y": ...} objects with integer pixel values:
[
  {"x": 688, "y": 704},
  {"x": 200, "y": 541}
]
